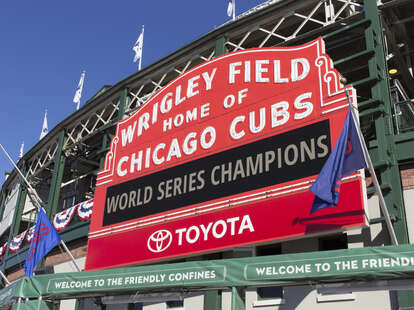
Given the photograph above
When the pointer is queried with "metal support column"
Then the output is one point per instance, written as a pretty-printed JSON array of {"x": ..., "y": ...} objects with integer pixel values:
[
  {"x": 54, "y": 192},
  {"x": 389, "y": 173},
  {"x": 2, "y": 204},
  {"x": 237, "y": 300},
  {"x": 220, "y": 46},
  {"x": 212, "y": 300},
  {"x": 123, "y": 104},
  {"x": 18, "y": 211},
  {"x": 104, "y": 149}
]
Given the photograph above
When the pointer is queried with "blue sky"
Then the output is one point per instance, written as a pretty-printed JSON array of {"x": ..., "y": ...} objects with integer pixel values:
[{"x": 45, "y": 45}]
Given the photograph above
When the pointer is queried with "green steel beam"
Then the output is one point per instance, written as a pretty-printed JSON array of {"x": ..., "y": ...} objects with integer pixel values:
[
  {"x": 104, "y": 149},
  {"x": 18, "y": 211},
  {"x": 220, "y": 46},
  {"x": 123, "y": 103},
  {"x": 383, "y": 123},
  {"x": 2, "y": 205},
  {"x": 57, "y": 177},
  {"x": 353, "y": 57},
  {"x": 405, "y": 146},
  {"x": 362, "y": 22},
  {"x": 385, "y": 133}
]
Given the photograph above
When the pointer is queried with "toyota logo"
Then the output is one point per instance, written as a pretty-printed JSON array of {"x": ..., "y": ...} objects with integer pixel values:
[{"x": 159, "y": 241}]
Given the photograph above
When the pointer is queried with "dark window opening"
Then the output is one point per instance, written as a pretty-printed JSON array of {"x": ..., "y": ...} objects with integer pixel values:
[
  {"x": 175, "y": 304},
  {"x": 272, "y": 249},
  {"x": 336, "y": 242},
  {"x": 270, "y": 292}
]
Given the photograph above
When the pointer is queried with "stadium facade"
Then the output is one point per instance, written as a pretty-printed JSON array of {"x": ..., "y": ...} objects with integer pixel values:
[{"x": 372, "y": 46}]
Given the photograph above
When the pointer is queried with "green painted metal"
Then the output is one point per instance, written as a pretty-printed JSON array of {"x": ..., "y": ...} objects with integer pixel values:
[
  {"x": 212, "y": 300},
  {"x": 123, "y": 103},
  {"x": 354, "y": 56},
  {"x": 10, "y": 293},
  {"x": 383, "y": 123},
  {"x": 33, "y": 305},
  {"x": 405, "y": 146},
  {"x": 2, "y": 205},
  {"x": 357, "y": 24},
  {"x": 385, "y": 133},
  {"x": 104, "y": 148},
  {"x": 220, "y": 46},
  {"x": 18, "y": 211},
  {"x": 237, "y": 302},
  {"x": 362, "y": 264},
  {"x": 57, "y": 177}
]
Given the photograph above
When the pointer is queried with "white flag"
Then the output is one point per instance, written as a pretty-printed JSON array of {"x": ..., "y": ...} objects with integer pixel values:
[
  {"x": 21, "y": 150},
  {"x": 78, "y": 93},
  {"x": 45, "y": 130},
  {"x": 138, "y": 48},
  {"x": 231, "y": 8}
]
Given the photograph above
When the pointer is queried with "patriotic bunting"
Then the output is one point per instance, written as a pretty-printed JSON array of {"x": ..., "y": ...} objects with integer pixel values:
[
  {"x": 30, "y": 234},
  {"x": 17, "y": 242},
  {"x": 62, "y": 219},
  {"x": 85, "y": 209},
  {"x": 3, "y": 250}
]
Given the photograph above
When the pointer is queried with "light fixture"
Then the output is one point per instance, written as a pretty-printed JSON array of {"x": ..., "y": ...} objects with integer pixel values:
[{"x": 393, "y": 71}]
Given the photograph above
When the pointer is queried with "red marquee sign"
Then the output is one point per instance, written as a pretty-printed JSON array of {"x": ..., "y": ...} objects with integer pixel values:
[{"x": 224, "y": 156}]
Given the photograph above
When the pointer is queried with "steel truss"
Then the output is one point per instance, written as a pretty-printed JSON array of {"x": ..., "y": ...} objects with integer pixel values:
[{"x": 296, "y": 19}]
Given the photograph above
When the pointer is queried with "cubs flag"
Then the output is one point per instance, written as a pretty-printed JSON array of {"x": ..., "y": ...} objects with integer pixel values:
[
  {"x": 45, "y": 238},
  {"x": 138, "y": 46},
  {"x": 230, "y": 8},
  {"x": 78, "y": 92},
  {"x": 45, "y": 129},
  {"x": 346, "y": 157}
]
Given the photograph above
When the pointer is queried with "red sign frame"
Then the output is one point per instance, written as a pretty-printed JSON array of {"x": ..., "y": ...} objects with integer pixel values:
[{"x": 176, "y": 170}]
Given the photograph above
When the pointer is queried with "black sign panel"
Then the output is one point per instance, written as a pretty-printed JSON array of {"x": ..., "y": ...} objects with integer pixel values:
[{"x": 288, "y": 156}]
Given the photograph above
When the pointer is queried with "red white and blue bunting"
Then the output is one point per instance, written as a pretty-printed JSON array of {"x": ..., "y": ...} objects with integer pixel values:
[
  {"x": 85, "y": 209},
  {"x": 17, "y": 242},
  {"x": 30, "y": 234},
  {"x": 62, "y": 219},
  {"x": 3, "y": 249}
]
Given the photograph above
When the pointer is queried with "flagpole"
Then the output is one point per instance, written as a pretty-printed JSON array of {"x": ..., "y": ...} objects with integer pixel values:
[
  {"x": 381, "y": 199},
  {"x": 4, "y": 278},
  {"x": 37, "y": 202},
  {"x": 234, "y": 9}
]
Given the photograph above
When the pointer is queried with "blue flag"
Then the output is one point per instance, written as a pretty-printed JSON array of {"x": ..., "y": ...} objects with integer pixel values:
[
  {"x": 44, "y": 239},
  {"x": 346, "y": 157}
]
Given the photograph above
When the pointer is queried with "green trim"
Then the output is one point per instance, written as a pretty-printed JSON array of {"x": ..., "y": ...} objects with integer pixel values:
[
  {"x": 57, "y": 177},
  {"x": 220, "y": 46}
]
